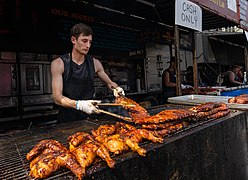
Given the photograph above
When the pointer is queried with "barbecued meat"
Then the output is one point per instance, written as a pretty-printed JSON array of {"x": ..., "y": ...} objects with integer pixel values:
[
  {"x": 205, "y": 107},
  {"x": 219, "y": 114},
  {"x": 207, "y": 114},
  {"x": 85, "y": 149},
  {"x": 159, "y": 126},
  {"x": 112, "y": 141},
  {"x": 136, "y": 111},
  {"x": 133, "y": 136},
  {"x": 172, "y": 129},
  {"x": 241, "y": 99},
  {"x": 49, "y": 156},
  {"x": 137, "y": 135},
  {"x": 165, "y": 116},
  {"x": 125, "y": 136}
]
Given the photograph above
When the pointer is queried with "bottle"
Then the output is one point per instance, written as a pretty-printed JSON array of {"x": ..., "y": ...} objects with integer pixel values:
[{"x": 245, "y": 78}]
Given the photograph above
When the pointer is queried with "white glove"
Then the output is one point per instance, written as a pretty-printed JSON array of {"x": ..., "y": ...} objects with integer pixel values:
[
  {"x": 183, "y": 86},
  {"x": 118, "y": 91},
  {"x": 87, "y": 106}
]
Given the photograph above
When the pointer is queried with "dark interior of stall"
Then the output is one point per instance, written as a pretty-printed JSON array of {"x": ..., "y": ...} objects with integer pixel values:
[{"x": 33, "y": 33}]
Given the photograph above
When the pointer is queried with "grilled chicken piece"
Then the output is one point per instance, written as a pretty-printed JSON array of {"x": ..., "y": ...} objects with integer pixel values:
[
  {"x": 115, "y": 144},
  {"x": 125, "y": 136},
  {"x": 136, "y": 111},
  {"x": 106, "y": 135},
  {"x": 49, "y": 156},
  {"x": 85, "y": 149}
]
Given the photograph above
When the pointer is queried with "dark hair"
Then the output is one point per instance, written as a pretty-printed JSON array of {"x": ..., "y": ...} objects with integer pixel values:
[{"x": 81, "y": 28}]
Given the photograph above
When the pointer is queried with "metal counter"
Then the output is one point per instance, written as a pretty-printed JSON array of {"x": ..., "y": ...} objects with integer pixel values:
[{"x": 214, "y": 149}]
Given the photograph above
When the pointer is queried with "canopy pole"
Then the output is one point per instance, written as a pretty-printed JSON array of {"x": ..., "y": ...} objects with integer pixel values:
[
  {"x": 195, "y": 69},
  {"x": 177, "y": 57}
]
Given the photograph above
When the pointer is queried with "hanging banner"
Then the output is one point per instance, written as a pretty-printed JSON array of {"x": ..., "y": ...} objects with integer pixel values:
[
  {"x": 188, "y": 14},
  {"x": 224, "y": 8},
  {"x": 243, "y": 14}
]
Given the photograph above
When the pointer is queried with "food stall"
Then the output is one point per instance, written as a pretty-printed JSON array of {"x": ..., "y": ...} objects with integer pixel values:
[{"x": 207, "y": 149}]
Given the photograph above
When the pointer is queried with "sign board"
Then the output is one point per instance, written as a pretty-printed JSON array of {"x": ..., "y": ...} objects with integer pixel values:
[
  {"x": 243, "y": 14},
  {"x": 224, "y": 8},
  {"x": 188, "y": 14}
]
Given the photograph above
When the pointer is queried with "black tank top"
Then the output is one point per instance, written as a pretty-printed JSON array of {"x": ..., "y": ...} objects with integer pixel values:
[
  {"x": 78, "y": 84},
  {"x": 168, "y": 91}
]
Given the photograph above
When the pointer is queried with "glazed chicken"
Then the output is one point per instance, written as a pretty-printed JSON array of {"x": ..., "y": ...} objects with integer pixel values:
[
  {"x": 132, "y": 136},
  {"x": 49, "y": 156},
  {"x": 124, "y": 137},
  {"x": 105, "y": 134},
  {"x": 85, "y": 149},
  {"x": 136, "y": 111}
]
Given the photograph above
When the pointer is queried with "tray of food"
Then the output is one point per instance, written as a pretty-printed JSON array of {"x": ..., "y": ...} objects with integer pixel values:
[{"x": 199, "y": 99}]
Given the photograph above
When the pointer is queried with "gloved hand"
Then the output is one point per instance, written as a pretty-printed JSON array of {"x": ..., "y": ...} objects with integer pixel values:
[
  {"x": 87, "y": 106},
  {"x": 118, "y": 92},
  {"x": 183, "y": 86}
]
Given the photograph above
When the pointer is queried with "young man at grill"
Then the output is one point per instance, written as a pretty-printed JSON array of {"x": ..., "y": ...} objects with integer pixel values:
[{"x": 73, "y": 78}]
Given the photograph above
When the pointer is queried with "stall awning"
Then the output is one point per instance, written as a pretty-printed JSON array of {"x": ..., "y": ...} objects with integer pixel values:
[{"x": 163, "y": 11}]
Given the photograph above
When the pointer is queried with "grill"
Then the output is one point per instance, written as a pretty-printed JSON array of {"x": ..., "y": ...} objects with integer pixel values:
[{"x": 15, "y": 145}]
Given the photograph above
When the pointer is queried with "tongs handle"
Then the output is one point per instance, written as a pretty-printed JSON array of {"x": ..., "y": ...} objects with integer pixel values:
[
  {"x": 116, "y": 115},
  {"x": 115, "y": 104}
]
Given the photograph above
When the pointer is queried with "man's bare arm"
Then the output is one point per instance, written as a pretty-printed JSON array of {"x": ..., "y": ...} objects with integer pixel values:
[
  {"x": 57, "y": 69},
  {"x": 103, "y": 76},
  {"x": 232, "y": 79}
]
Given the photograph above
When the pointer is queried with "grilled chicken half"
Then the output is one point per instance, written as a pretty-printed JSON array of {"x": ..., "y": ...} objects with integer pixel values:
[
  {"x": 85, "y": 148},
  {"x": 49, "y": 156}
]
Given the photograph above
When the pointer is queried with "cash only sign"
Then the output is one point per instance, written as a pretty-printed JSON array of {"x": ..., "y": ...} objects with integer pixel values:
[{"x": 188, "y": 14}]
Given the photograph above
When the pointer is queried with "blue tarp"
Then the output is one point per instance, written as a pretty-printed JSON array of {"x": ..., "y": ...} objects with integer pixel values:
[{"x": 234, "y": 92}]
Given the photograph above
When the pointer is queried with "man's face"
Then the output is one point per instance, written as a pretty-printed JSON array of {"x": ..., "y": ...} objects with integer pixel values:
[{"x": 82, "y": 44}]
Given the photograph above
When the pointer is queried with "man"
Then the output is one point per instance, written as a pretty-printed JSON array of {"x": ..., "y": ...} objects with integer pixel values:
[
  {"x": 73, "y": 78},
  {"x": 169, "y": 80}
]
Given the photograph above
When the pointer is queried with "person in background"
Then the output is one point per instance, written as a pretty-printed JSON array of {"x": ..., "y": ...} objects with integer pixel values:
[
  {"x": 240, "y": 75},
  {"x": 231, "y": 78},
  {"x": 169, "y": 80},
  {"x": 73, "y": 78}
]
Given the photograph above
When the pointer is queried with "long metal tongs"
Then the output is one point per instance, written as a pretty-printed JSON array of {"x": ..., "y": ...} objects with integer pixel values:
[
  {"x": 115, "y": 104},
  {"x": 116, "y": 115}
]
